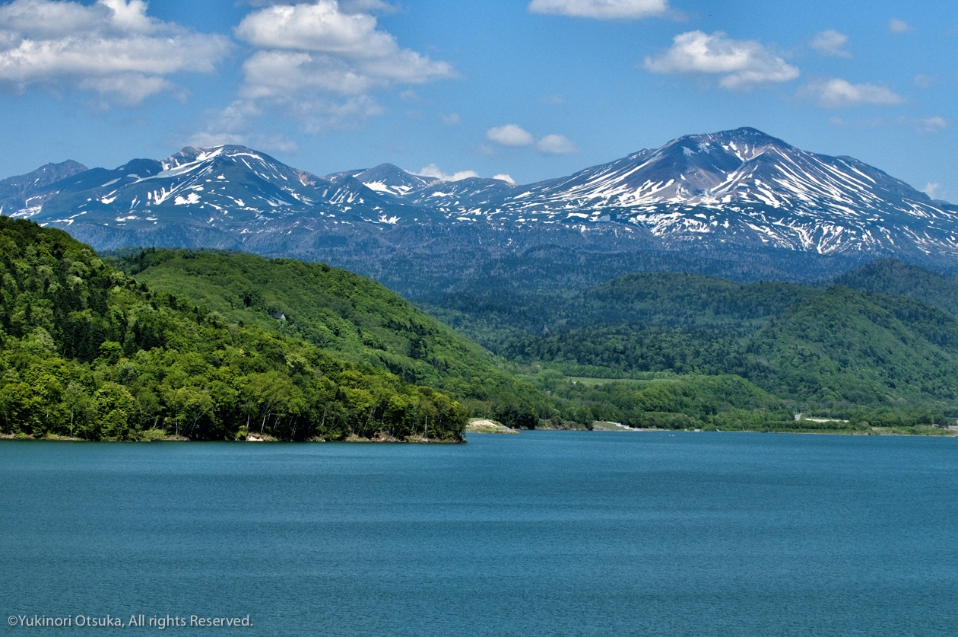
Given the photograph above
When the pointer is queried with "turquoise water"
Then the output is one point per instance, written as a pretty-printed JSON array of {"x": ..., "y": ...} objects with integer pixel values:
[{"x": 547, "y": 533}]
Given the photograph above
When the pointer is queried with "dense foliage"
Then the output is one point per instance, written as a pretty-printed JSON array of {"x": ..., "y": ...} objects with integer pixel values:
[
  {"x": 861, "y": 348},
  {"x": 857, "y": 356},
  {"x": 648, "y": 299},
  {"x": 466, "y": 264},
  {"x": 213, "y": 345},
  {"x": 710, "y": 402},
  {"x": 355, "y": 317},
  {"x": 889, "y": 276},
  {"x": 86, "y": 351}
]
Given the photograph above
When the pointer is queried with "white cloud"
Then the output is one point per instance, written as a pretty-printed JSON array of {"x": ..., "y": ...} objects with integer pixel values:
[
  {"x": 515, "y": 136},
  {"x": 839, "y": 93},
  {"x": 931, "y": 188},
  {"x": 319, "y": 27},
  {"x": 128, "y": 89},
  {"x": 741, "y": 63},
  {"x": 452, "y": 119},
  {"x": 233, "y": 125},
  {"x": 281, "y": 74},
  {"x": 321, "y": 62},
  {"x": 601, "y": 9},
  {"x": 506, "y": 178},
  {"x": 556, "y": 145},
  {"x": 925, "y": 81},
  {"x": 510, "y": 135},
  {"x": 323, "y": 37},
  {"x": 899, "y": 26},
  {"x": 934, "y": 124},
  {"x": 318, "y": 115},
  {"x": 432, "y": 170},
  {"x": 831, "y": 43},
  {"x": 111, "y": 47}
]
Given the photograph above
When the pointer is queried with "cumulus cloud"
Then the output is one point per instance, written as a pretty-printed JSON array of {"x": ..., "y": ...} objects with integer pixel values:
[
  {"x": 321, "y": 63},
  {"x": 931, "y": 189},
  {"x": 452, "y": 119},
  {"x": 111, "y": 47},
  {"x": 556, "y": 145},
  {"x": 515, "y": 136},
  {"x": 925, "y": 81},
  {"x": 601, "y": 9},
  {"x": 839, "y": 93},
  {"x": 506, "y": 178},
  {"x": 831, "y": 43},
  {"x": 432, "y": 170},
  {"x": 281, "y": 74},
  {"x": 510, "y": 135},
  {"x": 899, "y": 26},
  {"x": 741, "y": 63},
  {"x": 321, "y": 45}
]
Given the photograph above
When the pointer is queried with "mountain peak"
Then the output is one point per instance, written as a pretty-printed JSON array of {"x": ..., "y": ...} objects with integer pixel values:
[
  {"x": 732, "y": 190},
  {"x": 388, "y": 178},
  {"x": 191, "y": 154},
  {"x": 45, "y": 175},
  {"x": 33, "y": 189}
]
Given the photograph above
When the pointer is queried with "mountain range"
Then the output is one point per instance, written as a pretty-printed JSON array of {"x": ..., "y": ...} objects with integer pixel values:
[{"x": 718, "y": 194}]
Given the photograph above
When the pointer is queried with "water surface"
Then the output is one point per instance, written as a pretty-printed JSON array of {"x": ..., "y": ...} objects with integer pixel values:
[{"x": 547, "y": 533}]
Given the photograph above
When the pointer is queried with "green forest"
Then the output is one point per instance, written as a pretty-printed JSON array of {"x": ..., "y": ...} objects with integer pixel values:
[
  {"x": 345, "y": 314},
  {"x": 88, "y": 352},
  {"x": 160, "y": 344},
  {"x": 851, "y": 358}
]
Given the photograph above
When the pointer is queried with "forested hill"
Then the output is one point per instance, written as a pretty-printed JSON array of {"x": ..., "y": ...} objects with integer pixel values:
[
  {"x": 890, "y": 276},
  {"x": 345, "y": 313},
  {"x": 650, "y": 298},
  {"x": 828, "y": 349},
  {"x": 88, "y": 352}
]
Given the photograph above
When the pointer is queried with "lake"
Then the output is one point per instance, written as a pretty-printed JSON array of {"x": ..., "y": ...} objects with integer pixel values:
[{"x": 546, "y": 533}]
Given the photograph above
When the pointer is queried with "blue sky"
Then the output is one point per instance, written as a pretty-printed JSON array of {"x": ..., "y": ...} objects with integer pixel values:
[{"x": 530, "y": 89}]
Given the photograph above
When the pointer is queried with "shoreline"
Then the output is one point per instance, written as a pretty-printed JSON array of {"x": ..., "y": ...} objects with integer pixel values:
[
  {"x": 496, "y": 429},
  {"x": 486, "y": 426},
  {"x": 353, "y": 439}
]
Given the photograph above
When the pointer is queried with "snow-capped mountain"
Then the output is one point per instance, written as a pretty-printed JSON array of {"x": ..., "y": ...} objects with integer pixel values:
[
  {"x": 32, "y": 190},
  {"x": 228, "y": 188},
  {"x": 389, "y": 179},
  {"x": 745, "y": 186},
  {"x": 725, "y": 191}
]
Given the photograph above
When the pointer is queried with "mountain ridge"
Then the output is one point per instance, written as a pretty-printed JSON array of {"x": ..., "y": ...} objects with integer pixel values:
[{"x": 719, "y": 193}]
